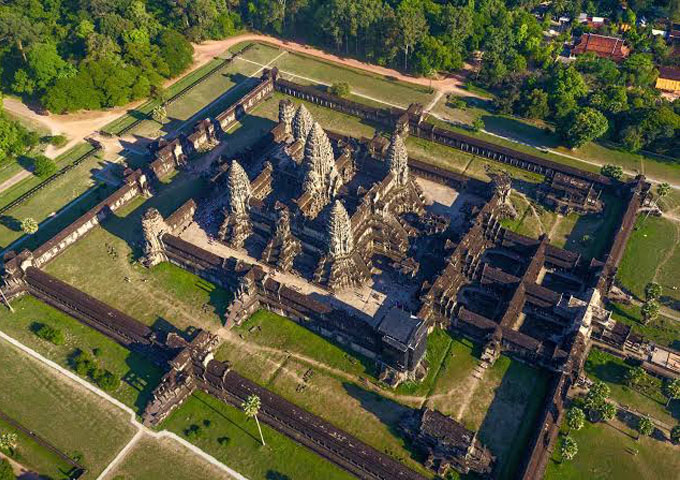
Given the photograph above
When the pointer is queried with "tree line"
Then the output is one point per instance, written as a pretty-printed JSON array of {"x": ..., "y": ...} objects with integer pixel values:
[{"x": 90, "y": 54}]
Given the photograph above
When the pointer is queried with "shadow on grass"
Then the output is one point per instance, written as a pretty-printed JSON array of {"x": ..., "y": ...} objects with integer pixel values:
[
  {"x": 142, "y": 376},
  {"x": 227, "y": 419},
  {"x": 388, "y": 412},
  {"x": 274, "y": 475},
  {"x": 510, "y": 420}
]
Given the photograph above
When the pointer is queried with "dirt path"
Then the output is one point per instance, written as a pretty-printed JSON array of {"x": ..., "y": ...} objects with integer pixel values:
[
  {"x": 19, "y": 470},
  {"x": 553, "y": 229},
  {"x": 118, "y": 404},
  {"x": 232, "y": 338},
  {"x": 470, "y": 389}
]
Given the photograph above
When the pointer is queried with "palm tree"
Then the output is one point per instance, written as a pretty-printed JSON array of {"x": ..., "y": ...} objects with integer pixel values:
[
  {"x": 568, "y": 448},
  {"x": 575, "y": 418},
  {"x": 29, "y": 225},
  {"x": 673, "y": 390},
  {"x": 644, "y": 427},
  {"x": 649, "y": 311},
  {"x": 251, "y": 407}
]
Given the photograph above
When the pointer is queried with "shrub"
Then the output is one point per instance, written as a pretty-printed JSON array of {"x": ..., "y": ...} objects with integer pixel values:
[
  {"x": 50, "y": 334},
  {"x": 106, "y": 380},
  {"x": 478, "y": 124},
  {"x": 612, "y": 171},
  {"x": 457, "y": 102},
  {"x": 58, "y": 140},
  {"x": 193, "y": 431},
  {"x": 341, "y": 89},
  {"x": 44, "y": 167}
]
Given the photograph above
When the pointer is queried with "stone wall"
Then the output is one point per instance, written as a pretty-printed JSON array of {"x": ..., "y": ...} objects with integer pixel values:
[
  {"x": 134, "y": 186},
  {"x": 421, "y": 127}
]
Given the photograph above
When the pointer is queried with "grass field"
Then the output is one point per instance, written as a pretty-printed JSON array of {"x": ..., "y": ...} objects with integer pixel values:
[
  {"x": 309, "y": 70},
  {"x": 304, "y": 368},
  {"x": 234, "y": 440},
  {"x": 646, "y": 398},
  {"x": 652, "y": 254},
  {"x": 163, "y": 459},
  {"x": 609, "y": 451},
  {"x": 139, "y": 376},
  {"x": 164, "y": 296},
  {"x": 64, "y": 413}
]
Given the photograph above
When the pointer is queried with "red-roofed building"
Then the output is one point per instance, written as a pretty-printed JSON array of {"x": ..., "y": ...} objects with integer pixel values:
[{"x": 602, "y": 46}]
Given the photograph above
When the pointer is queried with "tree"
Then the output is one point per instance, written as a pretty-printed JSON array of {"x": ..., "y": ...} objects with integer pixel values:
[
  {"x": 341, "y": 89},
  {"x": 477, "y": 124},
  {"x": 6, "y": 472},
  {"x": 251, "y": 407},
  {"x": 568, "y": 448},
  {"x": 159, "y": 114},
  {"x": 176, "y": 50},
  {"x": 675, "y": 434},
  {"x": 582, "y": 126},
  {"x": 649, "y": 311},
  {"x": 672, "y": 390},
  {"x": 536, "y": 104},
  {"x": 644, "y": 427},
  {"x": 8, "y": 441},
  {"x": 412, "y": 25},
  {"x": 44, "y": 167},
  {"x": 653, "y": 291},
  {"x": 607, "y": 411},
  {"x": 635, "y": 375},
  {"x": 640, "y": 69},
  {"x": 575, "y": 418},
  {"x": 29, "y": 226},
  {"x": 612, "y": 171},
  {"x": 50, "y": 334},
  {"x": 662, "y": 190}
]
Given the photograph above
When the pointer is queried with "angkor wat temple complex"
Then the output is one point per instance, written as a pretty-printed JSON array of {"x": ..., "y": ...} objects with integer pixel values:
[{"x": 365, "y": 246}]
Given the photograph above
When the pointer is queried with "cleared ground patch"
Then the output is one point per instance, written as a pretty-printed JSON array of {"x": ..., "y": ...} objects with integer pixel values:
[
  {"x": 73, "y": 419},
  {"x": 164, "y": 459}
]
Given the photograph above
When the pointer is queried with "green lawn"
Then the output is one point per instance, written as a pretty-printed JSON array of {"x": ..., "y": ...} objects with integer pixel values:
[
  {"x": 164, "y": 459},
  {"x": 163, "y": 296},
  {"x": 234, "y": 440},
  {"x": 139, "y": 376},
  {"x": 61, "y": 411},
  {"x": 340, "y": 387},
  {"x": 609, "y": 451},
  {"x": 652, "y": 254},
  {"x": 646, "y": 398}
]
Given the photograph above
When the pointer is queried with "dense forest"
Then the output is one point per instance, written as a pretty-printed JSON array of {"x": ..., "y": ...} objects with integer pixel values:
[{"x": 89, "y": 54}]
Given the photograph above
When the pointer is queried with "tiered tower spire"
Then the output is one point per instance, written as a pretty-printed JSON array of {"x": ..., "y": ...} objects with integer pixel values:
[
  {"x": 397, "y": 159},
  {"x": 237, "y": 226},
  {"x": 322, "y": 178},
  {"x": 341, "y": 241},
  {"x": 302, "y": 124}
]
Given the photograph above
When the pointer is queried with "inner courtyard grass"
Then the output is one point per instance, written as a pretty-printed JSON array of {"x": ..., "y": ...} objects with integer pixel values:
[
  {"x": 73, "y": 419},
  {"x": 231, "y": 438},
  {"x": 305, "y": 368},
  {"x": 165, "y": 296},
  {"x": 139, "y": 376},
  {"x": 164, "y": 459},
  {"x": 611, "y": 451}
]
